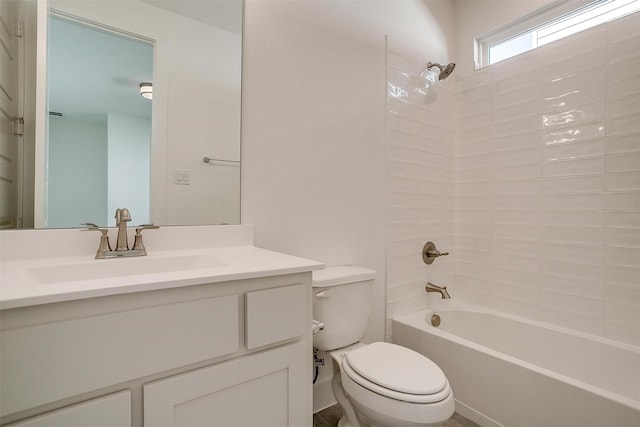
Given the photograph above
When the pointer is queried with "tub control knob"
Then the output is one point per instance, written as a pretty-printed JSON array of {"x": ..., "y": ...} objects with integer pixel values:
[{"x": 430, "y": 253}]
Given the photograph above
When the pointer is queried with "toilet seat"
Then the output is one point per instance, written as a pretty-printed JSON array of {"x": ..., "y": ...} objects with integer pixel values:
[{"x": 396, "y": 372}]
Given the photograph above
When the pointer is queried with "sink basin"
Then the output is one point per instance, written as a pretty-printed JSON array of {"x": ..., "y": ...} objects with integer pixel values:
[{"x": 103, "y": 269}]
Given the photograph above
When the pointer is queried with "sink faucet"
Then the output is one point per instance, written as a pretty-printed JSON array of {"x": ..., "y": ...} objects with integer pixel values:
[
  {"x": 122, "y": 246},
  {"x": 442, "y": 290},
  {"x": 122, "y": 217}
]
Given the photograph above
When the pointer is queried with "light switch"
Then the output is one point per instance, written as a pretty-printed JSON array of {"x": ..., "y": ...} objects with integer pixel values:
[{"x": 182, "y": 177}]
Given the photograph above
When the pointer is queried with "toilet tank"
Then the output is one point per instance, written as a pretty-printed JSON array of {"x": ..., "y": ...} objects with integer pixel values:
[{"x": 342, "y": 301}]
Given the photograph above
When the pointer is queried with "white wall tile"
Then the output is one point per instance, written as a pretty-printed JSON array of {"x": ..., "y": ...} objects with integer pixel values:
[
  {"x": 573, "y": 234},
  {"x": 625, "y": 68},
  {"x": 625, "y": 257},
  {"x": 624, "y": 276},
  {"x": 624, "y": 27},
  {"x": 517, "y": 126},
  {"x": 521, "y": 140},
  {"x": 574, "y": 270},
  {"x": 622, "y": 314},
  {"x": 623, "y": 49},
  {"x": 575, "y": 116},
  {"x": 520, "y": 156},
  {"x": 576, "y": 253},
  {"x": 623, "y": 163},
  {"x": 587, "y": 289},
  {"x": 588, "y": 148},
  {"x": 563, "y": 99},
  {"x": 505, "y": 113},
  {"x": 525, "y": 202},
  {"x": 574, "y": 184},
  {"x": 623, "y": 200},
  {"x": 622, "y": 181},
  {"x": 573, "y": 133},
  {"x": 623, "y": 219},
  {"x": 624, "y": 106},
  {"x": 565, "y": 67},
  {"x": 586, "y": 166},
  {"x": 519, "y": 187},
  {"x": 623, "y": 238},
  {"x": 573, "y": 201},
  {"x": 527, "y": 91},
  {"x": 622, "y": 295},
  {"x": 623, "y": 144},
  {"x": 574, "y": 218},
  {"x": 582, "y": 78},
  {"x": 623, "y": 88}
]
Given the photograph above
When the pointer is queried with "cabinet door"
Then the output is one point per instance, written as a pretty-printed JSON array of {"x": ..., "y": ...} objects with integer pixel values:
[
  {"x": 267, "y": 389},
  {"x": 113, "y": 410}
]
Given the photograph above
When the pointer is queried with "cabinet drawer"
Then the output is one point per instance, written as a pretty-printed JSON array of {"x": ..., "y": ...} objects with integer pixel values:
[
  {"x": 274, "y": 315},
  {"x": 48, "y": 362},
  {"x": 108, "y": 411}
]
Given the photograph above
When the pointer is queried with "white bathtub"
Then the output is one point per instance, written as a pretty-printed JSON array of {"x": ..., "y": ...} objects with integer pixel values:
[{"x": 507, "y": 371}]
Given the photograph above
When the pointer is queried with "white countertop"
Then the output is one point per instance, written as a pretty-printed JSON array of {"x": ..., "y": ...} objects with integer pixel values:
[{"x": 24, "y": 281}]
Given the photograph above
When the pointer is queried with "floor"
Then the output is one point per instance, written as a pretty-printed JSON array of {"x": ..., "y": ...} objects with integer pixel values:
[{"x": 329, "y": 418}]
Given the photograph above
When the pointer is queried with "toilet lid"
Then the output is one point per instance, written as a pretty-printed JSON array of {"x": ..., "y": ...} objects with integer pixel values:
[{"x": 397, "y": 368}]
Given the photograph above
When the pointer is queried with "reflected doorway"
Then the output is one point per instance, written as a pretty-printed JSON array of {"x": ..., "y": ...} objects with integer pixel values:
[{"x": 99, "y": 126}]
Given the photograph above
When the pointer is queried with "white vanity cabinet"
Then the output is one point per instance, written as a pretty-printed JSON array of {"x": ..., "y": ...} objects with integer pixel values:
[
  {"x": 234, "y": 353},
  {"x": 108, "y": 411}
]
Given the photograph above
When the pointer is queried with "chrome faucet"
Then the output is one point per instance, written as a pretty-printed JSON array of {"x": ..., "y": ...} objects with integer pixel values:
[
  {"x": 122, "y": 245},
  {"x": 122, "y": 217},
  {"x": 442, "y": 290}
]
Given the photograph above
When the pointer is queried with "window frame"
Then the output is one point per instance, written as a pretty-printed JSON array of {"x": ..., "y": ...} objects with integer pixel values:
[{"x": 526, "y": 23}]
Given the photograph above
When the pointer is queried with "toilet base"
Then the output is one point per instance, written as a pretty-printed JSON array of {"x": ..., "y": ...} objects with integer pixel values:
[{"x": 345, "y": 423}]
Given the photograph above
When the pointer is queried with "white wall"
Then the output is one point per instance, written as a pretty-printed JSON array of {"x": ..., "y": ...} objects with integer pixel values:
[
  {"x": 548, "y": 183},
  {"x": 314, "y": 113},
  {"x": 128, "y": 167},
  {"x": 77, "y": 165},
  {"x": 314, "y": 139}
]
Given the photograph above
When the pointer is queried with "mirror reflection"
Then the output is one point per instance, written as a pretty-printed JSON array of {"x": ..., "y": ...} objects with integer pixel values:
[
  {"x": 78, "y": 163},
  {"x": 99, "y": 125}
]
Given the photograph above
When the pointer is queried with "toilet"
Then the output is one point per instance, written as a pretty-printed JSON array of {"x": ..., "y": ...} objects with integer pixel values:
[{"x": 379, "y": 384}]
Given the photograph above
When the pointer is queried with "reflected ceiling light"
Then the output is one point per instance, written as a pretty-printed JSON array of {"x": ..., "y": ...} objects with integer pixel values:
[{"x": 146, "y": 90}]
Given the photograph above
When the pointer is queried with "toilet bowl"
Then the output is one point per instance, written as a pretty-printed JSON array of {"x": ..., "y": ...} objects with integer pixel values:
[
  {"x": 394, "y": 386},
  {"x": 379, "y": 384}
]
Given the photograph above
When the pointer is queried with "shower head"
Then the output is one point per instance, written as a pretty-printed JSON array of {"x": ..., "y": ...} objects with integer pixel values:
[{"x": 445, "y": 71}]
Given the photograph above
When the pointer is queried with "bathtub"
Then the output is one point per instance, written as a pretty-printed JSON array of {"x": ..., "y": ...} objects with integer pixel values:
[{"x": 508, "y": 371}]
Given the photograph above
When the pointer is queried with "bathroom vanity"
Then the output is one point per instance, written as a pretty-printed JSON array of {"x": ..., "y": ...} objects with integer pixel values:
[{"x": 222, "y": 332}]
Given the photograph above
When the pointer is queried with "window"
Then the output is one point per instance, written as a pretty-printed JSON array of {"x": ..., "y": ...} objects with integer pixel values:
[{"x": 546, "y": 25}]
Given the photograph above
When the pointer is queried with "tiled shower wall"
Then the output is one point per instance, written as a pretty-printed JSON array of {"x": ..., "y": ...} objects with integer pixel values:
[
  {"x": 547, "y": 184},
  {"x": 420, "y": 185}
]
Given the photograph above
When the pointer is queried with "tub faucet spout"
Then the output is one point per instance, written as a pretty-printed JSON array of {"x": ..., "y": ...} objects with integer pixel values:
[{"x": 442, "y": 290}]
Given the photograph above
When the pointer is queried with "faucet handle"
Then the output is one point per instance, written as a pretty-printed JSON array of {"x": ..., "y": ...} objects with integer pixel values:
[
  {"x": 145, "y": 227},
  {"x": 430, "y": 253},
  {"x": 93, "y": 227},
  {"x": 104, "y": 245},
  {"x": 137, "y": 242}
]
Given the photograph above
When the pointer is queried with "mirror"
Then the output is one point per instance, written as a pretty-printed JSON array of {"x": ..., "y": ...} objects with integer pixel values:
[
  {"x": 99, "y": 125},
  {"x": 194, "y": 50}
]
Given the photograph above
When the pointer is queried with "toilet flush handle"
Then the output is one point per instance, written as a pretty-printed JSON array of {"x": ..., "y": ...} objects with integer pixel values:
[{"x": 323, "y": 294}]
